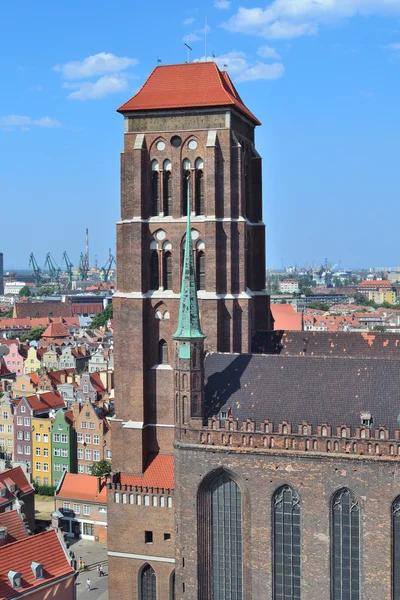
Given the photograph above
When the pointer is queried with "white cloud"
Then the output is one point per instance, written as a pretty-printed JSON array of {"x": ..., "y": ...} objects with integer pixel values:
[
  {"x": 191, "y": 37},
  {"x": 267, "y": 52},
  {"x": 283, "y": 19},
  {"x": 223, "y": 4},
  {"x": 393, "y": 46},
  {"x": 189, "y": 21},
  {"x": 24, "y": 122},
  {"x": 35, "y": 88},
  {"x": 98, "y": 64},
  {"x": 241, "y": 69},
  {"x": 93, "y": 90}
]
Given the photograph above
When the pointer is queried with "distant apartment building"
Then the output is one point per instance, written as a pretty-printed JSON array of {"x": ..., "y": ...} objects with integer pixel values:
[
  {"x": 288, "y": 286},
  {"x": 13, "y": 288},
  {"x": 378, "y": 290}
]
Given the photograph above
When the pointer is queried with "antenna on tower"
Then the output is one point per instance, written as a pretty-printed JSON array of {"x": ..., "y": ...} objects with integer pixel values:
[
  {"x": 188, "y": 52},
  {"x": 87, "y": 247},
  {"x": 205, "y": 39}
]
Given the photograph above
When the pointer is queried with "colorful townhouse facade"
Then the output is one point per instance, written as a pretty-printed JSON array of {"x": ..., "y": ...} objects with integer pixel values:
[
  {"x": 41, "y": 450},
  {"x": 92, "y": 436},
  {"x": 14, "y": 360},
  {"x": 6, "y": 427},
  {"x": 63, "y": 445},
  {"x": 31, "y": 363}
]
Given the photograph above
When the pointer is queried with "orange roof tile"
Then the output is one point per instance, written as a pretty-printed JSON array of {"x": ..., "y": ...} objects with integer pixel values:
[
  {"x": 82, "y": 487},
  {"x": 185, "y": 86},
  {"x": 15, "y": 526},
  {"x": 55, "y": 330},
  {"x": 18, "y": 477},
  {"x": 375, "y": 283},
  {"x": 286, "y": 317},
  {"x": 44, "y": 548},
  {"x": 158, "y": 473}
]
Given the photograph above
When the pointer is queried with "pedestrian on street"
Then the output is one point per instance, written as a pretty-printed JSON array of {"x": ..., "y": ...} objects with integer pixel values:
[
  {"x": 101, "y": 572},
  {"x": 80, "y": 563},
  {"x": 88, "y": 584},
  {"x": 98, "y": 570}
]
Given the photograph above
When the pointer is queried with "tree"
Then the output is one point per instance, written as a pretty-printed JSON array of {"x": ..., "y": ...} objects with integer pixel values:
[
  {"x": 102, "y": 318},
  {"x": 318, "y": 305},
  {"x": 8, "y": 314},
  {"x": 24, "y": 292},
  {"x": 100, "y": 468},
  {"x": 34, "y": 334},
  {"x": 45, "y": 290}
]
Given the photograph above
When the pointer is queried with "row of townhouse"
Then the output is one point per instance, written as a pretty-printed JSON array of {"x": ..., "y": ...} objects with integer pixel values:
[
  {"x": 29, "y": 359},
  {"x": 49, "y": 438}
]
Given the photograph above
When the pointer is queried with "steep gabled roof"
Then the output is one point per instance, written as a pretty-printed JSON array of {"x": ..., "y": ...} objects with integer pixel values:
[
  {"x": 15, "y": 526},
  {"x": 56, "y": 330},
  {"x": 82, "y": 487},
  {"x": 17, "y": 476},
  {"x": 189, "y": 85},
  {"x": 44, "y": 548}
]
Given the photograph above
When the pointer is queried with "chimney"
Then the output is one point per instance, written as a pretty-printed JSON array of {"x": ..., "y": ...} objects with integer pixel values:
[
  {"x": 3, "y": 535},
  {"x": 99, "y": 485}
]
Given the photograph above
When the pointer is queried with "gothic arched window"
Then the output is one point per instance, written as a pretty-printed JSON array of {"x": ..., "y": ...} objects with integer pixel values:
[
  {"x": 196, "y": 409},
  {"x": 187, "y": 191},
  {"x": 167, "y": 199},
  {"x": 345, "y": 546},
  {"x": 201, "y": 270},
  {"x": 223, "y": 564},
  {"x": 199, "y": 187},
  {"x": 396, "y": 547},
  {"x": 286, "y": 544},
  {"x": 148, "y": 584},
  {"x": 162, "y": 352},
  {"x": 155, "y": 189},
  {"x": 167, "y": 270},
  {"x": 185, "y": 410},
  {"x": 154, "y": 272}
]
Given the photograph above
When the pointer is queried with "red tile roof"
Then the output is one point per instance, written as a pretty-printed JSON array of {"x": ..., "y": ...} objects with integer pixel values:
[
  {"x": 17, "y": 476},
  {"x": 56, "y": 330},
  {"x": 158, "y": 473},
  {"x": 286, "y": 317},
  {"x": 44, "y": 548},
  {"x": 15, "y": 526},
  {"x": 97, "y": 383},
  {"x": 372, "y": 284},
  {"x": 42, "y": 309},
  {"x": 82, "y": 487},
  {"x": 185, "y": 86},
  {"x": 45, "y": 401}
]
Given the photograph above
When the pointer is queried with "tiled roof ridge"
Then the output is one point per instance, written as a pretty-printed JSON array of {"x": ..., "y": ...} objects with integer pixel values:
[{"x": 24, "y": 540}]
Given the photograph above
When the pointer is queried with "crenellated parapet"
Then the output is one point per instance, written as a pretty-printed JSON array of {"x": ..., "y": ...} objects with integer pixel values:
[
  {"x": 141, "y": 495},
  {"x": 303, "y": 437}
]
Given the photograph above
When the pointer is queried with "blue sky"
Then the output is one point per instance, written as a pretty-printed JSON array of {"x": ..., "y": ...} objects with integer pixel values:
[{"x": 323, "y": 77}]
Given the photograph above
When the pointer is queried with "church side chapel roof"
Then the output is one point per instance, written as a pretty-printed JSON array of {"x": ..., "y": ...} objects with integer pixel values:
[
  {"x": 295, "y": 389},
  {"x": 189, "y": 85}
]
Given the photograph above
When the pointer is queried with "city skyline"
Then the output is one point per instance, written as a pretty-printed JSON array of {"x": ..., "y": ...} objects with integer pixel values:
[{"x": 324, "y": 85}]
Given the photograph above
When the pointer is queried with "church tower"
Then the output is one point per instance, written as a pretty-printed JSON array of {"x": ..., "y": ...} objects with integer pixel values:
[{"x": 191, "y": 214}]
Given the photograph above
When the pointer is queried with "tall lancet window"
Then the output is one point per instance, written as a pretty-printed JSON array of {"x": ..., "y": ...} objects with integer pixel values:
[
  {"x": 286, "y": 544},
  {"x": 345, "y": 546},
  {"x": 148, "y": 584},
  {"x": 199, "y": 187},
  {"x": 155, "y": 189},
  {"x": 186, "y": 187},
  {"x": 167, "y": 189},
  {"x": 225, "y": 572}
]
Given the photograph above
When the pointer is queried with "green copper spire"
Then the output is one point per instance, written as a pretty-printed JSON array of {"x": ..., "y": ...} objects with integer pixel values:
[{"x": 189, "y": 318}]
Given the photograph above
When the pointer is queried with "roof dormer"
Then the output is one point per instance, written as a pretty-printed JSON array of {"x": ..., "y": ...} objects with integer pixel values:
[
  {"x": 37, "y": 570},
  {"x": 15, "y": 579}
]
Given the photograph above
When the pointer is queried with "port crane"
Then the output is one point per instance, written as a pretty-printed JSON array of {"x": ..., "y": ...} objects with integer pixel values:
[
  {"x": 105, "y": 270},
  {"x": 68, "y": 266},
  {"x": 37, "y": 272},
  {"x": 54, "y": 269}
]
